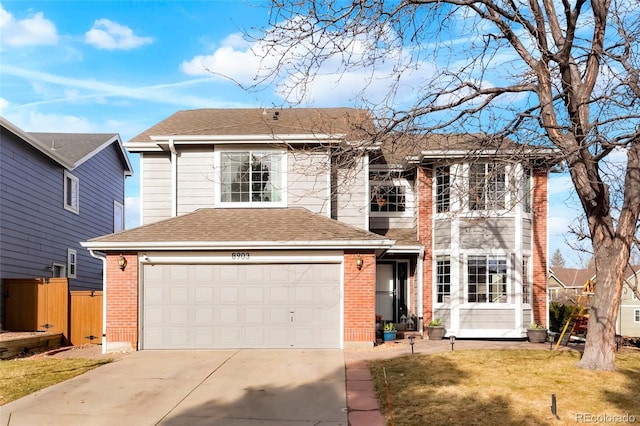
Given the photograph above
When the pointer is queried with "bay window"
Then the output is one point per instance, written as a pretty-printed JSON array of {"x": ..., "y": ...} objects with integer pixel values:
[
  {"x": 487, "y": 279},
  {"x": 487, "y": 186}
]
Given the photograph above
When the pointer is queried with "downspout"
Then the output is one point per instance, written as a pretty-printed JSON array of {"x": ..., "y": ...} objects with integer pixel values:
[
  {"x": 174, "y": 178},
  {"x": 419, "y": 272},
  {"x": 104, "y": 298}
]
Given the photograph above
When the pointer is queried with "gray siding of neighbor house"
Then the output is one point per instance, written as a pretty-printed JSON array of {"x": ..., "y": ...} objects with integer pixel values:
[
  {"x": 628, "y": 305},
  {"x": 36, "y": 230},
  {"x": 156, "y": 186},
  {"x": 308, "y": 181},
  {"x": 196, "y": 180},
  {"x": 490, "y": 233}
]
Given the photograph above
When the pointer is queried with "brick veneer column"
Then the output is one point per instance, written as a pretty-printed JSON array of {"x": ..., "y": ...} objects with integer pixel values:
[
  {"x": 540, "y": 207},
  {"x": 122, "y": 302},
  {"x": 359, "y": 299},
  {"x": 424, "y": 183}
]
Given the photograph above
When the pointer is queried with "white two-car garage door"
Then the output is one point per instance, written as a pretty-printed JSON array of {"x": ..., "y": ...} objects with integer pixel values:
[{"x": 241, "y": 306}]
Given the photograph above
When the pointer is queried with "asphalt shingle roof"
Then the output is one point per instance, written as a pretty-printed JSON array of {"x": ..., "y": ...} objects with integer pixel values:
[
  {"x": 259, "y": 121},
  {"x": 73, "y": 147},
  {"x": 245, "y": 225}
]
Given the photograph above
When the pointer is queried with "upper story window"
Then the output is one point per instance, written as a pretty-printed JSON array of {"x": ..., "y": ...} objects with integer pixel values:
[
  {"x": 487, "y": 279},
  {"x": 71, "y": 193},
  {"x": 388, "y": 198},
  {"x": 527, "y": 188},
  {"x": 252, "y": 177},
  {"x": 487, "y": 186},
  {"x": 443, "y": 189}
]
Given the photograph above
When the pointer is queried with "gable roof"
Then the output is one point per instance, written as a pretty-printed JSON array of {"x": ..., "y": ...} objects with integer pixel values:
[
  {"x": 200, "y": 124},
  {"x": 277, "y": 228},
  {"x": 577, "y": 277},
  {"x": 69, "y": 150}
]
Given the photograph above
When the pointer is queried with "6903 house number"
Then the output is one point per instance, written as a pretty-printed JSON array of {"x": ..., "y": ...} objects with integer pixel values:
[{"x": 240, "y": 255}]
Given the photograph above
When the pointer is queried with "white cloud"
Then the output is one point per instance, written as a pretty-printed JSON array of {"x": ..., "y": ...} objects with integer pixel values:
[
  {"x": 131, "y": 212},
  {"x": 3, "y": 104},
  {"x": 33, "y": 121},
  {"x": 106, "y": 34},
  {"x": 32, "y": 31}
]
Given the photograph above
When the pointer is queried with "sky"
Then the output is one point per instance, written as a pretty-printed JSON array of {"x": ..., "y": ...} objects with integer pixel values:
[{"x": 122, "y": 66}]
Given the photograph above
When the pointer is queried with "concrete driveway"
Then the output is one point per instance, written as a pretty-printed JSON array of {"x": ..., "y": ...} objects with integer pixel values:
[{"x": 231, "y": 388}]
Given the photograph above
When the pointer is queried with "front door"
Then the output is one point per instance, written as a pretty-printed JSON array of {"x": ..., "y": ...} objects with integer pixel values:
[{"x": 391, "y": 290}]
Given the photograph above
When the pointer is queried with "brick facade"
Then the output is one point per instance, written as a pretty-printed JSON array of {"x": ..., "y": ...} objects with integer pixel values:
[
  {"x": 122, "y": 302},
  {"x": 359, "y": 298},
  {"x": 540, "y": 207},
  {"x": 424, "y": 189}
]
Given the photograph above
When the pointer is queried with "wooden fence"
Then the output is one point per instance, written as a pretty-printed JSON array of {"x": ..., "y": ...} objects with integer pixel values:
[{"x": 43, "y": 304}]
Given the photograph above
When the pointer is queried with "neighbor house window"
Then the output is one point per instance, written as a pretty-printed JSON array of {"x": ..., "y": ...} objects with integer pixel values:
[
  {"x": 118, "y": 217},
  {"x": 487, "y": 186},
  {"x": 388, "y": 198},
  {"x": 443, "y": 278},
  {"x": 443, "y": 190},
  {"x": 72, "y": 263},
  {"x": 636, "y": 315},
  {"x": 487, "y": 279},
  {"x": 71, "y": 193},
  {"x": 526, "y": 282},
  {"x": 252, "y": 177}
]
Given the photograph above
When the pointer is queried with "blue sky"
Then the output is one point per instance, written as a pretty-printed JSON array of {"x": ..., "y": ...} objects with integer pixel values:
[{"x": 121, "y": 67}]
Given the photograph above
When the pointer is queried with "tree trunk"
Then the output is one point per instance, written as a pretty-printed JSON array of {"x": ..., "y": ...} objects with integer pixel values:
[{"x": 600, "y": 350}]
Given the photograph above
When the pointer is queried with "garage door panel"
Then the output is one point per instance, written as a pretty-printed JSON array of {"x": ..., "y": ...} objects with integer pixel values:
[{"x": 241, "y": 306}]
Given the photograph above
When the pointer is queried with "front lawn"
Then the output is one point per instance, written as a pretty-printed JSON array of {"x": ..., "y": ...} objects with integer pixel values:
[
  {"x": 22, "y": 376},
  {"x": 506, "y": 387}
]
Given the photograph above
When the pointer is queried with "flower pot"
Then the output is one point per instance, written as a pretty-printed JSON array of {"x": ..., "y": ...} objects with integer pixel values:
[
  {"x": 436, "y": 333},
  {"x": 389, "y": 335},
  {"x": 537, "y": 335}
]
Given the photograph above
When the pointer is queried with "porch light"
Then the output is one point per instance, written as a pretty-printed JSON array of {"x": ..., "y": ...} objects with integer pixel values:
[
  {"x": 359, "y": 262},
  {"x": 122, "y": 262},
  {"x": 452, "y": 339}
]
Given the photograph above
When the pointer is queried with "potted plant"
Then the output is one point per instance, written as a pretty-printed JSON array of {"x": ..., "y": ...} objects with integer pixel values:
[
  {"x": 536, "y": 333},
  {"x": 389, "y": 332},
  {"x": 435, "y": 329}
]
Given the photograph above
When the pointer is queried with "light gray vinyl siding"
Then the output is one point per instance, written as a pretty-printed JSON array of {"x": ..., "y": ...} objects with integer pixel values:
[
  {"x": 156, "y": 186},
  {"x": 487, "y": 319},
  {"x": 352, "y": 195},
  {"x": 486, "y": 234},
  {"x": 196, "y": 180},
  {"x": 442, "y": 235},
  {"x": 526, "y": 234},
  {"x": 444, "y": 315},
  {"x": 628, "y": 326},
  {"x": 36, "y": 230},
  {"x": 308, "y": 181}
]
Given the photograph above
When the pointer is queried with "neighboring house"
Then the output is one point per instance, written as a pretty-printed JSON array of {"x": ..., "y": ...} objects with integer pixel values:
[
  {"x": 566, "y": 285},
  {"x": 293, "y": 228},
  {"x": 58, "y": 189}
]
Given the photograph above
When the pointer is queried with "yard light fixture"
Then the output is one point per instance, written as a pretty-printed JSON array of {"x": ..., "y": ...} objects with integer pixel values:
[
  {"x": 359, "y": 262},
  {"x": 452, "y": 339},
  {"x": 122, "y": 262},
  {"x": 411, "y": 342}
]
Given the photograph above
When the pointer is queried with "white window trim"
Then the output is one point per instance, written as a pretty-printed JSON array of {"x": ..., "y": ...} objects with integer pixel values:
[
  {"x": 61, "y": 268},
  {"x": 72, "y": 263},
  {"x": 409, "y": 197},
  {"x": 68, "y": 176},
  {"x": 118, "y": 206},
  {"x": 218, "y": 184},
  {"x": 509, "y": 277}
]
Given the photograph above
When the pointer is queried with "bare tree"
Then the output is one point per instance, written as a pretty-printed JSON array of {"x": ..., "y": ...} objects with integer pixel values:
[{"x": 543, "y": 73}]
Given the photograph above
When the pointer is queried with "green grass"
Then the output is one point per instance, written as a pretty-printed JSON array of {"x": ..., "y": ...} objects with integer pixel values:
[
  {"x": 22, "y": 376},
  {"x": 504, "y": 387}
]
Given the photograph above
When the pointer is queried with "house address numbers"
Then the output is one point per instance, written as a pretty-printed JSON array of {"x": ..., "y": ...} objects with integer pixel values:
[{"x": 240, "y": 255}]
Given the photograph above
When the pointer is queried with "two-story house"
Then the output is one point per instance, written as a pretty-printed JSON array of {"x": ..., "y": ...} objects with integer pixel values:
[
  {"x": 58, "y": 189},
  {"x": 296, "y": 228}
]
